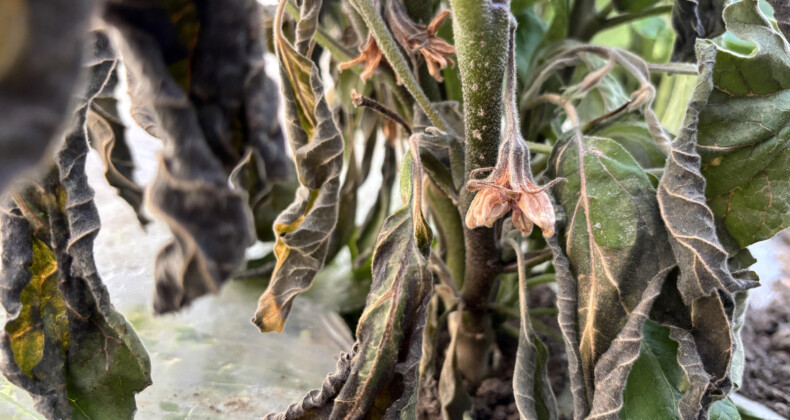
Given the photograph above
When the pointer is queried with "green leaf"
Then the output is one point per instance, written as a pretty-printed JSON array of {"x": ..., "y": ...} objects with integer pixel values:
[
  {"x": 618, "y": 253},
  {"x": 634, "y": 136},
  {"x": 663, "y": 382},
  {"x": 38, "y": 77},
  {"x": 724, "y": 410},
  {"x": 746, "y": 161},
  {"x": 304, "y": 229}
]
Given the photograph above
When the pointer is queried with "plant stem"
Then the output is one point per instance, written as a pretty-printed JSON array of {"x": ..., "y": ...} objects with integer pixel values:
[
  {"x": 396, "y": 60},
  {"x": 673, "y": 68},
  {"x": 480, "y": 30},
  {"x": 540, "y": 279},
  {"x": 539, "y": 147},
  {"x": 628, "y": 17}
]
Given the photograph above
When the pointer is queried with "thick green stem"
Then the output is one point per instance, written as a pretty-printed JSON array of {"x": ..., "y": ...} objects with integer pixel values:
[
  {"x": 481, "y": 32},
  {"x": 391, "y": 51}
]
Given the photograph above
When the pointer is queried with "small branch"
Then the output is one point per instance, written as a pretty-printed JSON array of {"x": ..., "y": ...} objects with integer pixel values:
[
  {"x": 540, "y": 279},
  {"x": 531, "y": 259},
  {"x": 539, "y": 147},
  {"x": 396, "y": 60},
  {"x": 587, "y": 127},
  {"x": 359, "y": 100},
  {"x": 673, "y": 68},
  {"x": 628, "y": 17}
]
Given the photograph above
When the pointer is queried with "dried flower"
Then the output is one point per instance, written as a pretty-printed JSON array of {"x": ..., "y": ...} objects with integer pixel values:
[
  {"x": 418, "y": 38},
  {"x": 510, "y": 184},
  {"x": 370, "y": 54}
]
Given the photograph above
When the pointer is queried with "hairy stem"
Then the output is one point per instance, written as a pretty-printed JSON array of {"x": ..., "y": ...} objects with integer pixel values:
[
  {"x": 481, "y": 31},
  {"x": 396, "y": 60}
]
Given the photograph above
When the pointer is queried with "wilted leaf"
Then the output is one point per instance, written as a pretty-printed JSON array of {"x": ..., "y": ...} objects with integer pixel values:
[
  {"x": 107, "y": 134},
  {"x": 196, "y": 81},
  {"x": 384, "y": 371},
  {"x": 69, "y": 347},
  {"x": 701, "y": 257},
  {"x": 744, "y": 138},
  {"x": 693, "y": 19},
  {"x": 616, "y": 246},
  {"x": 305, "y": 227},
  {"x": 318, "y": 404},
  {"x": 452, "y": 392},
  {"x": 40, "y": 63},
  {"x": 567, "y": 305},
  {"x": 782, "y": 16},
  {"x": 531, "y": 386}
]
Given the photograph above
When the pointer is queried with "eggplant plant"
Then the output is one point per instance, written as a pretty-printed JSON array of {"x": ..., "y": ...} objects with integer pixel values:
[{"x": 568, "y": 193}]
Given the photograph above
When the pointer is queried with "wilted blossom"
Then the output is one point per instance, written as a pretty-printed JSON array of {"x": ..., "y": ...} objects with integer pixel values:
[
  {"x": 370, "y": 54},
  {"x": 418, "y": 38},
  {"x": 510, "y": 187}
]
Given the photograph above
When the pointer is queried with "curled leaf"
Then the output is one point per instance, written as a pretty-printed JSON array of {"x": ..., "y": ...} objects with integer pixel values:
[
  {"x": 304, "y": 229},
  {"x": 40, "y": 64}
]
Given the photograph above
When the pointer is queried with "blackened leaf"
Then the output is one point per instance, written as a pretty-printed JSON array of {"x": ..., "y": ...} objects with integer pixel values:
[
  {"x": 667, "y": 380},
  {"x": 690, "y": 222},
  {"x": 107, "y": 135},
  {"x": 64, "y": 341},
  {"x": 614, "y": 240},
  {"x": 196, "y": 81},
  {"x": 305, "y": 227},
  {"x": 744, "y": 139},
  {"x": 384, "y": 370},
  {"x": 567, "y": 318},
  {"x": 693, "y": 20},
  {"x": 318, "y": 404},
  {"x": 531, "y": 386},
  {"x": 782, "y": 16},
  {"x": 40, "y": 63}
]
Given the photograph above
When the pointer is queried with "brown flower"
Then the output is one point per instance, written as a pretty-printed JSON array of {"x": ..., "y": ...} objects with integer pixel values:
[
  {"x": 510, "y": 186},
  {"x": 418, "y": 38},
  {"x": 369, "y": 54}
]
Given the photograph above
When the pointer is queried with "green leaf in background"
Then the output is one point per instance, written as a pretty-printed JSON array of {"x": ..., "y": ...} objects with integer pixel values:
[
  {"x": 37, "y": 74},
  {"x": 304, "y": 229},
  {"x": 744, "y": 131},
  {"x": 634, "y": 136},
  {"x": 617, "y": 250}
]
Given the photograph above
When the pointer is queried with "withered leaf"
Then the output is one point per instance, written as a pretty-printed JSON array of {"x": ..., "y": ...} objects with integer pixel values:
[
  {"x": 64, "y": 342},
  {"x": 681, "y": 196},
  {"x": 615, "y": 243},
  {"x": 304, "y": 229},
  {"x": 782, "y": 16},
  {"x": 40, "y": 64},
  {"x": 202, "y": 90},
  {"x": 531, "y": 385},
  {"x": 107, "y": 134},
  {"x": 384, "y": 370},
  {"x": 693, "y": 20}
]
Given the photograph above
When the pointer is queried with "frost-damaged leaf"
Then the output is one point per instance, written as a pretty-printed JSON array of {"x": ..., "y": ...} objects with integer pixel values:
[
  {"x": 384, "y": 370},
  {"x": 196, "y": 81},
  {"x": 304, "y": 229},
  {"x": 107, "y": 135},
  {"x": 744, "y": 131},
  {"x": 70, "y": 348},
  {"x": 37, "y": 38},
  {"x": 681, "y": 196},
  {"x": 667, "y": 381},
  {"x": 782, "y": 15},
  {"x": 567, "y": 306},
  {"x": 531, "y": 385},
  {"x": 694, "y": 19},
  {"x": 318, "y": 404},
  {"x": 615, "y": 243}
]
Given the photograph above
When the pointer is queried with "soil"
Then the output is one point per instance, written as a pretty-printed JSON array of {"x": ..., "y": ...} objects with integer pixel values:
[{"x": 766, "y": 338}]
